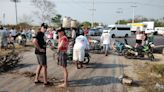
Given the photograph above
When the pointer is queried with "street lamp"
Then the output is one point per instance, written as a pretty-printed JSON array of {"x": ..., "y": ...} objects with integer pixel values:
[{"x": 16, "y": 16}]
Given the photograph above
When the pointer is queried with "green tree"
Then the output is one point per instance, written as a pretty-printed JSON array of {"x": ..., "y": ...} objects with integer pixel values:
[
  {"x": 56, "y": 20},
  {"x": 86, "y": 24}
]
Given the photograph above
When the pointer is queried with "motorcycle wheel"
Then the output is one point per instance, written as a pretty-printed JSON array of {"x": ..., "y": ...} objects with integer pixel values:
[
  {"x": 86, "y": 60},
  {"x": 151, "y": 56}
]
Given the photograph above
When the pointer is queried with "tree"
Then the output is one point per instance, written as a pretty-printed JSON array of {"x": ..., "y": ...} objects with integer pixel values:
[
  {"x": 95, "y": 24},
  {"x": 26, "y": 19},
  {"x": 46, "y": 9},
  {"x": 56, "y": 20},
  {"x": 86, "y": 24}
]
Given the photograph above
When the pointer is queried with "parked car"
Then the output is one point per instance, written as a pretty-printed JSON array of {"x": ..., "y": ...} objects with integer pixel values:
[
  {"x": 118, "y": 30},
  {"x": 91, "y": 32}
]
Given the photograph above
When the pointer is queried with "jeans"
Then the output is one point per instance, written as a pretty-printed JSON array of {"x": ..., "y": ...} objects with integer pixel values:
[{"x": 105, "y": 47}]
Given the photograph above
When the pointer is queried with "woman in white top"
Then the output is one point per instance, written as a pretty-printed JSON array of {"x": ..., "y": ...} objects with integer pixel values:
[{"x": 139, "y": 38}]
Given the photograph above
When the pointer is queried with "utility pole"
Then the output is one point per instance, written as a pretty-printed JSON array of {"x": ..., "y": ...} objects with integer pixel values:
[
  {"x": 119, "y": 11},
  {"x": 93, "y": 10},
  {"x": 16, "y": 14},
  {"x": 4, "y": 19},
  {"x": 133, "y": 7}
]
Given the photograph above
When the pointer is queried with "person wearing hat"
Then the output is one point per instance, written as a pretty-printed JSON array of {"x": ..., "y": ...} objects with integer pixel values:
[
  {"x": 62, "y": 56},
  {"x": 105, "y": 39},
  {"x": 40, "y": 51}
]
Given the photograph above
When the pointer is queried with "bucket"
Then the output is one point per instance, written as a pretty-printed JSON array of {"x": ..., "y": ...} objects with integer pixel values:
[{"x": 66, "y": 22}]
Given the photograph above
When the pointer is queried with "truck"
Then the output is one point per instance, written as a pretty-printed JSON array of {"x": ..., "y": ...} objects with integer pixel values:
[
  {"x": 159, "y": 30},
  {"x": 147, "y": 27}
]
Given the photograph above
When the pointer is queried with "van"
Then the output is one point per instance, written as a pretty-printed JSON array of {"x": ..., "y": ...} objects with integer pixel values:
[{"x": 119, "y": 30}]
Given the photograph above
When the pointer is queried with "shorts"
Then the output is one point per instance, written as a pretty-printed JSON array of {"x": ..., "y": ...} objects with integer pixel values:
[
  {"x": 78, "y": 55},
  {"x": 62, "y": 59},
  {"x": 139, "y": 41},
  {"x": 42, "y": 59}
]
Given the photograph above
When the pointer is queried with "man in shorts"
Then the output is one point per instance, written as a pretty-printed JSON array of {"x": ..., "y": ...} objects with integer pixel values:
[
  {"x": 40, "y": 51},
  {"x": 62, "y": 56},
  {"x": 81, "y": 44}
]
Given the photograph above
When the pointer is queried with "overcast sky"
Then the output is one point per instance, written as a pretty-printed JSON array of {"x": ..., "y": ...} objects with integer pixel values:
[{"x": 80, "y": 9}]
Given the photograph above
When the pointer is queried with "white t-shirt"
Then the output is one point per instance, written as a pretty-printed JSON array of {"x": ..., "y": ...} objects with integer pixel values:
[
  {"x": 105, "y": 38},
  {"x": 13, "y": 32},
  {"x": 81, "y": 43},
  {"x": 54, "y": 35},
  {"x": 139, "y": 36}
]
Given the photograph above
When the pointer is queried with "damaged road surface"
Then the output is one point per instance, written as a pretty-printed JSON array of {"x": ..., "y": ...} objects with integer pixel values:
[{"x": 101, "y": 75}]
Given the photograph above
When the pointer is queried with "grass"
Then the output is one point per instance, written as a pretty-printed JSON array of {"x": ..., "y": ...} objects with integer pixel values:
[{"x": 149, "y": 81}]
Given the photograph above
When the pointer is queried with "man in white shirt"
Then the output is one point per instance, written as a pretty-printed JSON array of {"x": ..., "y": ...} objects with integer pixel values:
[
  {"x": 81, "y": 43},
  {"x": 3, "y": 37},
  {"x": 105, "y": 39},
  {"x": 13, "y": 33}
]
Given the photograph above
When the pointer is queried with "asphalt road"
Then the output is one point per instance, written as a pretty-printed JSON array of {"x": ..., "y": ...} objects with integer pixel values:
[{"x": 101, "y": 75}]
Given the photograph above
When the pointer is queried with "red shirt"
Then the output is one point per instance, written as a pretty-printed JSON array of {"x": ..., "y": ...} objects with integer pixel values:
[{"x": 65, "y": 43}]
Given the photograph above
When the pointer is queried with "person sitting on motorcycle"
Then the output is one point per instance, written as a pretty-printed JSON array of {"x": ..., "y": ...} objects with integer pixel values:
[
  {"x": 139, "y": 38},
  {"x": 105, "y": 39},
  {"x": 81, "y": 44}
]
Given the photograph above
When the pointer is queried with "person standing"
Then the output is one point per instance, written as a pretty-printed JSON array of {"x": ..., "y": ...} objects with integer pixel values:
[
  {"x": 13, "y": 33},
  {"x": 62, "y": 56},
  {"x": 40, "y": 51},
  {"x": 81, "y": 44},
  {"x": 105, "y": 39},
  {"x": 3, "y": 37}
]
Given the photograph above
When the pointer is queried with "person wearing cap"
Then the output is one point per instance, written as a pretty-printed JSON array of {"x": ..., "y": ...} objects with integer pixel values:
[
  {"x": 105, "y": 39},
  {"x": 62, "y": 56},
  {"x": 40, "y": 51}
]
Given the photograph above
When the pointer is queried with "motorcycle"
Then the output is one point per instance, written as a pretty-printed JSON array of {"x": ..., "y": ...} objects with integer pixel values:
[
  {"x": 139, "y": 52},
  {"x": 95, "y": 46},
  {"x": 21, "y": 39},
  {"x": 70, "y": 54},
  {"x": 119, "y": 47}
]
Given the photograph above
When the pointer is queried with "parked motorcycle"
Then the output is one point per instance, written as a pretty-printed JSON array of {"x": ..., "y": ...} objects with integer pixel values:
[
  {"x": 70, "y": 54},
  {"x": 95, "y": 46},
  {"x": 139, "y": 52},
  {"x": 21, "y": 39},
  {"x": 119, "y": 47}
]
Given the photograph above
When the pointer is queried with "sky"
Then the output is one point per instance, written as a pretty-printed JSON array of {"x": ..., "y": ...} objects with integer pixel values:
[{"x": 105, "y": 10}]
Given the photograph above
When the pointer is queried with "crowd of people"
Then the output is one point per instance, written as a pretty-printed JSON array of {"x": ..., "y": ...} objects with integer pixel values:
[
  {"x": 10, "y": 35},
  {"x": 62, "y": 36}
]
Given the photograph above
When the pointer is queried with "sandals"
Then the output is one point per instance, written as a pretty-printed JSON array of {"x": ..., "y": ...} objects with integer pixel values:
[
  {"x": 38, "y": 82},
  {"x": 46, "y": 84}
]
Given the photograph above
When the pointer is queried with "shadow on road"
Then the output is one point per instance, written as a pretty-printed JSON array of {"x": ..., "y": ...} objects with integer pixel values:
[
  {"x": 100, "y": 65},
  {"x": 94, "y": 81}
]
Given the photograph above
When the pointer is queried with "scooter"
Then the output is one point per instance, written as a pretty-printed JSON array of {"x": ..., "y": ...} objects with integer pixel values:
[{"x": 119, "y": 47}]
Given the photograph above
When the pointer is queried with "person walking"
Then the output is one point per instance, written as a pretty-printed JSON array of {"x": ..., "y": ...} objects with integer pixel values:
[
  {"x": 105, "y": 39},
  {"x": 40, "y": 51},
  {"x": 62, "y": 56}
]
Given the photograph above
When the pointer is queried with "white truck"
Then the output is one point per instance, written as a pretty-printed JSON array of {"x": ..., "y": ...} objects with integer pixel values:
[
  {"x": 159, "y": 30},
  {"x": 148, "y": 27}
]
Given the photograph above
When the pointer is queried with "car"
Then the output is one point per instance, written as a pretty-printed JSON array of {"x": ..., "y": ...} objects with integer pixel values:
[
  {"x": 118, "y": 30},
  {"x": 92, "y": 32}
]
